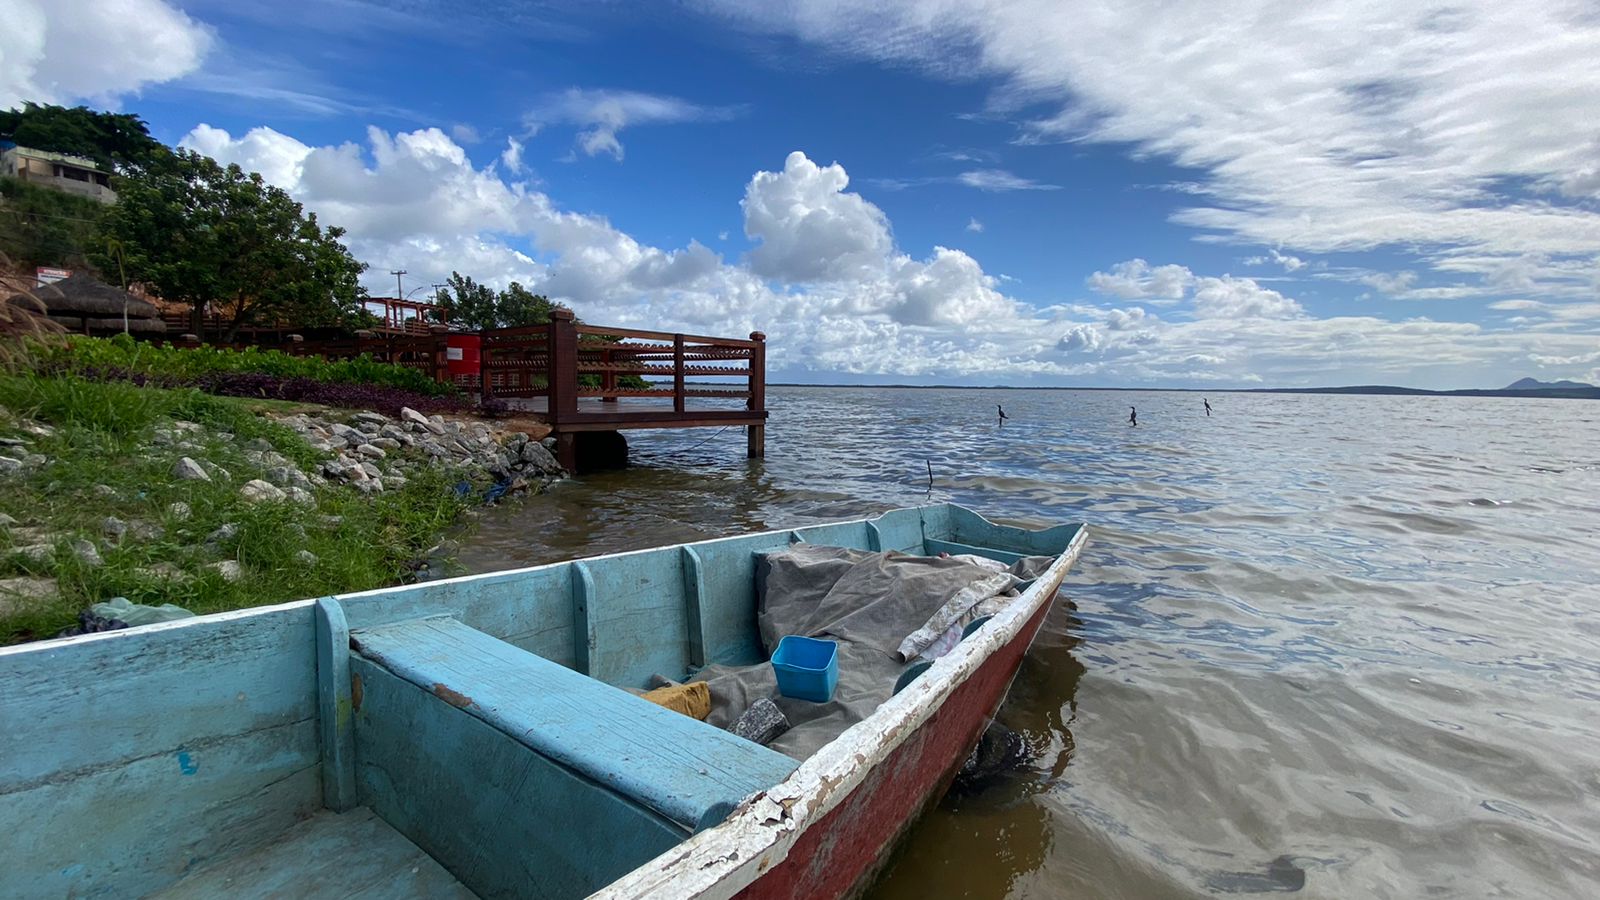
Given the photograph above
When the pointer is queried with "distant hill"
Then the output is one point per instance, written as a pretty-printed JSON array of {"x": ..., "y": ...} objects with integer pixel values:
[{"x": 1534, "y": 384}]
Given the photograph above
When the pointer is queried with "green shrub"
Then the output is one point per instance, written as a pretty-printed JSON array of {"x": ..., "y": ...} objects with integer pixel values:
[{"x": 122, "y": 354}]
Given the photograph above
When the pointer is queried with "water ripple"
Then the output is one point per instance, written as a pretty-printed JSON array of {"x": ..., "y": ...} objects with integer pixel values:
[{"x": 1340, "y": 646}]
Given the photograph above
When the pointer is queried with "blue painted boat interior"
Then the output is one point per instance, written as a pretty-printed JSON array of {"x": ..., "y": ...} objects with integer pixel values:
[{"x": 452, "y": 738}]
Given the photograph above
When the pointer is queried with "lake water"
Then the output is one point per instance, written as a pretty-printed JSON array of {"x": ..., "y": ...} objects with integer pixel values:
[{"x": 1344, "y": 646}]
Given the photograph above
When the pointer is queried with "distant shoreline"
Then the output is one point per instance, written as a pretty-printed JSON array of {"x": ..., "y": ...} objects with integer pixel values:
[{"x": 1589, "y": 393}]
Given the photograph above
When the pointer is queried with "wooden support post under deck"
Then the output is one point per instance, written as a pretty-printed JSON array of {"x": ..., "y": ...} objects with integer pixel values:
[
  {"x": 756, "y": 435},
  {"x": 567, "y": 450}
]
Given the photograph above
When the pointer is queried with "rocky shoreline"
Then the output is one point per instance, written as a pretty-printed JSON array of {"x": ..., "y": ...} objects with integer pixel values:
[
  {"x": 150, "y": 546},
  {"x": 370, "y": 447}
]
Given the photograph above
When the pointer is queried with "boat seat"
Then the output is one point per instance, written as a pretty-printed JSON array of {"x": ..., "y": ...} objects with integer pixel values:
[{"x": 684, "y": 770}]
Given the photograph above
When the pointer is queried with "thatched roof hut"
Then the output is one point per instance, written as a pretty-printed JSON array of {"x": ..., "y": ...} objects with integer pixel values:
[{"x": 82, "y": 303}]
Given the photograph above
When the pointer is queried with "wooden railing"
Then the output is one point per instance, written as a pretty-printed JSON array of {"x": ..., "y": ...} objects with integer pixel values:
[
  {"x": 594, "y": 361},
  {"x": 565, "y": 362}
]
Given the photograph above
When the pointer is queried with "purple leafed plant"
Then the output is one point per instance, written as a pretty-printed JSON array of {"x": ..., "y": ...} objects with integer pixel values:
[{"x": 386, "y": 400}]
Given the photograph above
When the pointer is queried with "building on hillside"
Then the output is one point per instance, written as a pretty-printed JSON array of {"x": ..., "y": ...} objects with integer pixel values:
[{"x": 72, "y": 174}]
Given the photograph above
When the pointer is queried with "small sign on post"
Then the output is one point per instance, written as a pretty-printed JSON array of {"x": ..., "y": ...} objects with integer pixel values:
[{"x": 44, "y": 275}]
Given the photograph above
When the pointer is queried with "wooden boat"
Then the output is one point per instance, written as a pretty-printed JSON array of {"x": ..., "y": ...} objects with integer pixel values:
[{"x": 464, "y": 738}]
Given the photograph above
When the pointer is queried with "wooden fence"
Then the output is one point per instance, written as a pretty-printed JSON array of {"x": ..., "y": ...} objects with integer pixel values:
[{"x": 564, "y": 363}]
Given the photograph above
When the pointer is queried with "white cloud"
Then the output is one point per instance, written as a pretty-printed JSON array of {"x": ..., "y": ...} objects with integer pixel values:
[
  {"x": 810, "y": 228},
  {"x": 1235, "y": 298},
  {"x": 998, "y": 180},
  {"x": 511, "y": 157},
  {"x": 1433, "y": 129},
  {"x": 464, "y": 133},
  {"x": 1289, "y": 263},
  {"x": 974, "y": 226},
  {"x": 1128, "y": 318},
  {"x": 1080, "y": 339},
  {"x": 1390, "y": 282},
  {"x": 857, "y": 304},
  {"x": 1135, "y": 280},
  {"x": 69, "y": 50},
  {"x": 602, "y": 114}
]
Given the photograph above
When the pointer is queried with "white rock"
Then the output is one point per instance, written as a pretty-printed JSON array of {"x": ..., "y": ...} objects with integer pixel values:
[
  {"x": 189, "y": 470},
  {"x": 6, "y": 521},
  {"x": 39, "y": 553},
  {"x": 305, "y": 558},
  {"x": 300, "y": 495},
  {"x": 15, "y": 591},
  {"x": 113, "y": 527},
  {"x": 7, "y": 464},
  {"x": 87, "y": 552},
  {"x": 537, "y": 456},
  {"x": 370, "y": 451},
  {"x": 227, "y": 531},
  {"x": 256, "y": 491},
  {"x": 179, "y": 510},
  {"x": 161, "y": 571},
  {"x": 229, "y": 569}
]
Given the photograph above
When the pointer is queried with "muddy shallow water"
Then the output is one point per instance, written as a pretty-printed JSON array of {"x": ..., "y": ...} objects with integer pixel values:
[{"x": 1336, "y": 646}]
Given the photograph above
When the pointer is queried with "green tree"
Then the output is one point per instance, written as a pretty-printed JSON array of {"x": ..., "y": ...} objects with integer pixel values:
[
  {"x": 476, "y": 306},
  {"x": 520, "y": 306},
  {"x": 115, "y": 141},
  {"x": 468, "y": 304},
  {"x": 198, "y": 233}
]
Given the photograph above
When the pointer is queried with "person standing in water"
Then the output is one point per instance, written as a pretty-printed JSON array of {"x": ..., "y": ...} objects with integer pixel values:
[
  {"x": 1208, "y": 405},
  {"x": 1133, "y": 415},
  {"x": 1003, "y": 416}
]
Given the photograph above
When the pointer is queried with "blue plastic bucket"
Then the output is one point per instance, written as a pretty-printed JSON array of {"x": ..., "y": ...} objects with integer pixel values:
[{"x": 807, "y": 668}]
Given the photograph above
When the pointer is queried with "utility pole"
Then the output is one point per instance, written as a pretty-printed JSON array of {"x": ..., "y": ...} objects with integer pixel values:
[{"x": 397, "y": 273}]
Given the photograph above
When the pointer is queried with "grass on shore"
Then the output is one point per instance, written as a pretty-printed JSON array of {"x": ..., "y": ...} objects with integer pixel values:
[{"x": 107, "y": 457}]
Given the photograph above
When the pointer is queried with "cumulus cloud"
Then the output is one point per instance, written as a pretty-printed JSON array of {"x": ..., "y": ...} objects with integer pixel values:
[
  {"x": 1317, "y": 129},
  {"x": 1080, "y": 339},
  {"x": 1241, "y": 298},
  {"x": 68, "y": 50},
  {"x": 810, "y": 228},
  {"x": 1128, "y": 318},
  {"x": 1135, "y": 279},
  {"x": 857, "y": 305},
  {"x": 602, "y": 114},
  {"x": 974, "y": 226}
]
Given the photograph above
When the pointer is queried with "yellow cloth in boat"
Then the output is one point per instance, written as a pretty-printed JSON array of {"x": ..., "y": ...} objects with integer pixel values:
[{"x": 692, "y": 700}]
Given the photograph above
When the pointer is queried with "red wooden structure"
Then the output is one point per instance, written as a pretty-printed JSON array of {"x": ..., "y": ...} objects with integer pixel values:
[{"x": 576, "y": 377}]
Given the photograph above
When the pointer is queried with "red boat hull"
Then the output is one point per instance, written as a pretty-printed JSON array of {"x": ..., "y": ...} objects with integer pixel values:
[{"x": 840, "y": 854}]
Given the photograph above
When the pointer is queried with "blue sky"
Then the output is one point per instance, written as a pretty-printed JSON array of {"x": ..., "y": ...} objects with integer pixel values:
[{"x": 962, "y": 192}]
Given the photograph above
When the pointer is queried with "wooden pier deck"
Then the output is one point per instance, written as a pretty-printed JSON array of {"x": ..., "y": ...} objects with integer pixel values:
[
  {"x": 574, "y": 376},
  {"x": 580, "y": 377}
]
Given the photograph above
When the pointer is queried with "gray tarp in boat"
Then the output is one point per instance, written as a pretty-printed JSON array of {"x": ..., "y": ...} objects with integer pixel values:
[{"x": 885, "y": 609}]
